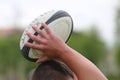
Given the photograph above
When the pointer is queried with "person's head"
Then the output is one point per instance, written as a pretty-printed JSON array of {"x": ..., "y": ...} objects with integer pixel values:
[{"x": 52, "y": 70}]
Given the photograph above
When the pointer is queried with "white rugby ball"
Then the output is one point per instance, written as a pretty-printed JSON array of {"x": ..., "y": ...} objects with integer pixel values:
[{"x": 60, "y": 23}]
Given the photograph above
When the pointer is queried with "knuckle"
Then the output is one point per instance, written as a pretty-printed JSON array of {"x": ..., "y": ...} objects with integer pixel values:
[
  {"x": 34, "y": 46},
  {"x": 33, "y": 37},
  {"x": 39, "y": 31},
  {"x": 42, "y": 47}
]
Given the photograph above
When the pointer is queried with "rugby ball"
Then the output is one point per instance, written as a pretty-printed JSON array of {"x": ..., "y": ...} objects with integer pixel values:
[{"x": 60, "y": 23}]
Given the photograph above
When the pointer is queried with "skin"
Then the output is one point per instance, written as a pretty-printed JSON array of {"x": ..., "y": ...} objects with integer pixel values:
[{"x": 55, "y": 48}]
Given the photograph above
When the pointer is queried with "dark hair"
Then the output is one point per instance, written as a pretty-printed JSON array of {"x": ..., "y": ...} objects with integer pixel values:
[{"x": 52, "y": 70}]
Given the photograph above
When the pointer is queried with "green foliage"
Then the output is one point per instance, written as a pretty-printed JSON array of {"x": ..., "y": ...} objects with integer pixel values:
[
  {"x": 117, "y": 37},
  {"x": 89, "y": 44},
  {"x": 118, "y": 55},
  {"x": 10, "y": 55},
  {"x": 8, "y": 52}
]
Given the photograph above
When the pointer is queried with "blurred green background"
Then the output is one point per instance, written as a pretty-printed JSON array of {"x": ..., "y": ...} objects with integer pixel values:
[{"x": 88, "y": 42}]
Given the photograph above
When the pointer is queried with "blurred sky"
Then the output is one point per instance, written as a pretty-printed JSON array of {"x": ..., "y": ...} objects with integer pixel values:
[{"x": 84, "y": 13}]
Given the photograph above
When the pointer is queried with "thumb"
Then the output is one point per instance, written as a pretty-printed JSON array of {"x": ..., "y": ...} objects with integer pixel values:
[{"x": 43, "y": 59}]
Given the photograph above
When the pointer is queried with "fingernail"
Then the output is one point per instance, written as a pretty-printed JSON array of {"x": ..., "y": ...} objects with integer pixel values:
[
  {"x": 27, "y": 33},
  {"x": 33, "y": 26}
]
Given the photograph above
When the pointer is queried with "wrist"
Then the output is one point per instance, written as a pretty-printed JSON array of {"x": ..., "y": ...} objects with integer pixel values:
[{"x": 63, "y": 51}]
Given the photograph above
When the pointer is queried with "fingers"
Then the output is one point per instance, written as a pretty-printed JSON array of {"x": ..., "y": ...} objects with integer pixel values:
[
  {"x": 39, "y": 31},
  {"x": 41, "y": 40},
  {"x": 46, "y": 28},
  {"x": 35, "y": 46},
  {"x": 33, "y": 37}
]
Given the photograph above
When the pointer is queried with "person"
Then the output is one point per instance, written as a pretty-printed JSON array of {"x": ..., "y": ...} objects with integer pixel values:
[{"x": 55, "y": 48}]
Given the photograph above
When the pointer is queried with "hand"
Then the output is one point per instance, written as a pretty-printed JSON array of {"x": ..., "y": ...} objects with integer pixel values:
[{"x": 49, "y": 43}]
